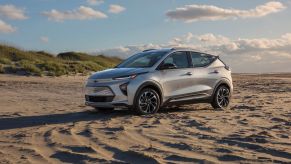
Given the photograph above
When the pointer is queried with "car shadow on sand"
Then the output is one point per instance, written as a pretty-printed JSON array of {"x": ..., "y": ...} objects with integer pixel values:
[{"x": 7, "y": 123}]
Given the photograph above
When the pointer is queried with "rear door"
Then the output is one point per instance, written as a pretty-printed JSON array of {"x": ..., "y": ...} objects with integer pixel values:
[
  {"x": 205, "y": 76},
  {"x": 177, "y": 81}
]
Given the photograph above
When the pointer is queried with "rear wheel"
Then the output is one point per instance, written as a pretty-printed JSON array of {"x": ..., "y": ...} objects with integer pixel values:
[
  {"x": 147, "y": 102},
  {"x": 221, "y": 97}
]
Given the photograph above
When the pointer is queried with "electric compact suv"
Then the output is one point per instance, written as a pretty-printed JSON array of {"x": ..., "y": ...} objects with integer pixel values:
[{"x": 154, "y": 78}]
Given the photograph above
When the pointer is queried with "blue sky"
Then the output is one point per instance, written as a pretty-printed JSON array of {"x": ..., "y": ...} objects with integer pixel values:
[{"x": 141, "y": 22}]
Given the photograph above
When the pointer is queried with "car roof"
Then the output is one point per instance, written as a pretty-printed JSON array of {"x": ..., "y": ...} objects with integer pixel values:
[{"x": 175, "y": 49}]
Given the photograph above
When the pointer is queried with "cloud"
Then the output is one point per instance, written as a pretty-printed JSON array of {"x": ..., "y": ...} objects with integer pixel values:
[
  {"x": 255, "y": 54},
  {"x": 126, "y": 51},
  {"x": 82, "y": 13},
  {"x": 115, "y": 9},
  {"x": 191, "y": 13},
  {"x": 6, "y": 28},
  {"x": 266, "y": 45},
  {"x": 217, "y": 44},
  {"x": 44, "y": 39},
  {"x": 242, "y": 54},
  {"x": 12, "y": 12},
  {"x": 212, "y": 39},
  {"x": 183, "y": 39},
  {"x": 95, "y": 2}
]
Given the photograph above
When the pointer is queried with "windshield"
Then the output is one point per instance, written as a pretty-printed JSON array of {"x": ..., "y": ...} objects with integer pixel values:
[{"x": 142, "y": 60}]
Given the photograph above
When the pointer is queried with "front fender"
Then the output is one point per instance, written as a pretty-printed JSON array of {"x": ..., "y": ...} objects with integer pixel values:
[{"x": 135, "y": 88}]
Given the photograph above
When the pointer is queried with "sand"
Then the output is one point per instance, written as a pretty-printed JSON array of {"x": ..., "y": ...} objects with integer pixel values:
[{"x": 44, "y": 120}]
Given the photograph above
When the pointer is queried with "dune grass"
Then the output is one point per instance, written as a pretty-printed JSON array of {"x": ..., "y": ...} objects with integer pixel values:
[
  {"x": 39, "y": 63},
  {"x": 1, "y": 68}
]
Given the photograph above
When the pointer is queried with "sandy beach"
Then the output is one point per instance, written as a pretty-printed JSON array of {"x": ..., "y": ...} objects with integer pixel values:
[{"x": 44, "y": 120}]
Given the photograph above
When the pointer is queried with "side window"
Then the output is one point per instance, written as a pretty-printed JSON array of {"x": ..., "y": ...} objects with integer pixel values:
[
  {"x": 179, "y": 59},
  {"x": 201, "y": 60}
]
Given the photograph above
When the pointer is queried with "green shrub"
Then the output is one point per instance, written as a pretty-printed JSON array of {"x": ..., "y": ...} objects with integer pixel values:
[
  {"x": 11, "y": 69},
  {"x": 40, "y": 62},
  {"x": 5, "y": 61},
  {"x": 54, "y": 68},
  {"x": 77, "y": 68},
  {"x": 74, "y": 56},
  {"x": 30, "y": 67},
  {"x": 91, "y": 66},
  {"x": 83, "y": 67},
  {"x": 2, "y": 69}
]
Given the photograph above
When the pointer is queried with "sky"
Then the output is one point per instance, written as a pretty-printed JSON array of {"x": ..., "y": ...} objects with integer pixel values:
[{"x": 250, "y": 36}]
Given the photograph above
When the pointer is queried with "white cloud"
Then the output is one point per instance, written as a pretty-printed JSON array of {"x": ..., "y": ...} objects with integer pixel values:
[
  {"x": 44, "y": 39},
  {"x": 189, "y": 36},
  {"x": 12, "y": 12},
  {"x": 282, "y": 43},
  {"x": 182, "y": 40},
  {"x": 82, "y": 13},
  {"x": 242, "y": 54},
  {"x": 126, "y": 51},
  {"x": 191, "y": 13},
  {"x": 256, "y": 54},
  {"x": 256, "y": 57},
  {"x": 212, "y": 39},
  {"x": 95, "y": 2},
  {"x": 116, "y": 9},
  {"x": 6, "y": 28}
]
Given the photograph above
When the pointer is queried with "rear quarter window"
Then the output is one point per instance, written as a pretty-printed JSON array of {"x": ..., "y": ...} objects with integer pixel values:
[{"x": 201, "y": 59}]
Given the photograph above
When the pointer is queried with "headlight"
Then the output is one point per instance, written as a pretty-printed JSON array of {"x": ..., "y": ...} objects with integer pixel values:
[
  {"x": 90, "y": 81},
  {"x": 125, "y": 77}
]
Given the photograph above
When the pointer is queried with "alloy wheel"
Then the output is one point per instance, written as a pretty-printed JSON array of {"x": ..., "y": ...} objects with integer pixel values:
[
  {"x": 148, "y": 102},
  {"x": 223, "y": 97}
]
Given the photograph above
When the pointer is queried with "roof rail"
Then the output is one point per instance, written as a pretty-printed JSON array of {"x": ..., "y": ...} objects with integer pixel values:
[
  {"x": 148, "y": 50},
  {"x": 181, "y": 48}
]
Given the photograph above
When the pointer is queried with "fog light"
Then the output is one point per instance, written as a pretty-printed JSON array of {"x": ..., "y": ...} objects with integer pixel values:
[{"x": 123, "y": 88}]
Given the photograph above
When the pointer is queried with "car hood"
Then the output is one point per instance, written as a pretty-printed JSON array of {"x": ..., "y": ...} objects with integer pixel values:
[{"x": 117, "y": 72}]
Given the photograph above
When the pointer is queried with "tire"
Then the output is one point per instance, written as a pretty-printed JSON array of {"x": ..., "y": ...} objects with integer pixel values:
[
  {"x": 147, "y": 102},
  {"x": 101, "y": 109},
  {"x": 221, "y": 98}
]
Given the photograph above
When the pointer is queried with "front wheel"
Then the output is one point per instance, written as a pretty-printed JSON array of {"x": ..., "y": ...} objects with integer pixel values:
[
  {"x": 221, "y": 98},
  {"x": 147, "y": 102}
]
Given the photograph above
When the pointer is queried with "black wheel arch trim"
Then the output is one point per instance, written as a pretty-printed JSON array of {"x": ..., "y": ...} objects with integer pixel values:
[
  {"x": 223, "y": 81},
  {"x": 149, "y": 84}
]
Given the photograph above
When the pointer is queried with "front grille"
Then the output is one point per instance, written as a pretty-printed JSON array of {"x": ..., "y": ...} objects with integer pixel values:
[
  {"x": 99, "y": 98},
  {"x": 99, "y": 91}
]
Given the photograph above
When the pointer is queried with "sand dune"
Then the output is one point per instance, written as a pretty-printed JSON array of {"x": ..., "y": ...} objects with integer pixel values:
[{"x": 43, "y": 120}]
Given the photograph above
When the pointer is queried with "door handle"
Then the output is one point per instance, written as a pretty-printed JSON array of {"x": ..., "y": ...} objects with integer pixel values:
[
  {"x": 215, "y": 71},
  {"x": 188, "y": 73}
]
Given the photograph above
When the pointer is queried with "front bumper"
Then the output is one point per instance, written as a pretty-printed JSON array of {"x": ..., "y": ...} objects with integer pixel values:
[
  {"x": 107, "y": 104},
  {"x": 104, "y": 98}
]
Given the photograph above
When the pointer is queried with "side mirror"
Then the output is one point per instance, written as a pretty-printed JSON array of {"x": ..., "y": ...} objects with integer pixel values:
[{"x": 168, "y": 66}]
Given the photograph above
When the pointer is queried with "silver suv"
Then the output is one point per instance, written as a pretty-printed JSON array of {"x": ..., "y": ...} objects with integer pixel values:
[{"x": 153, "y": 78}]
